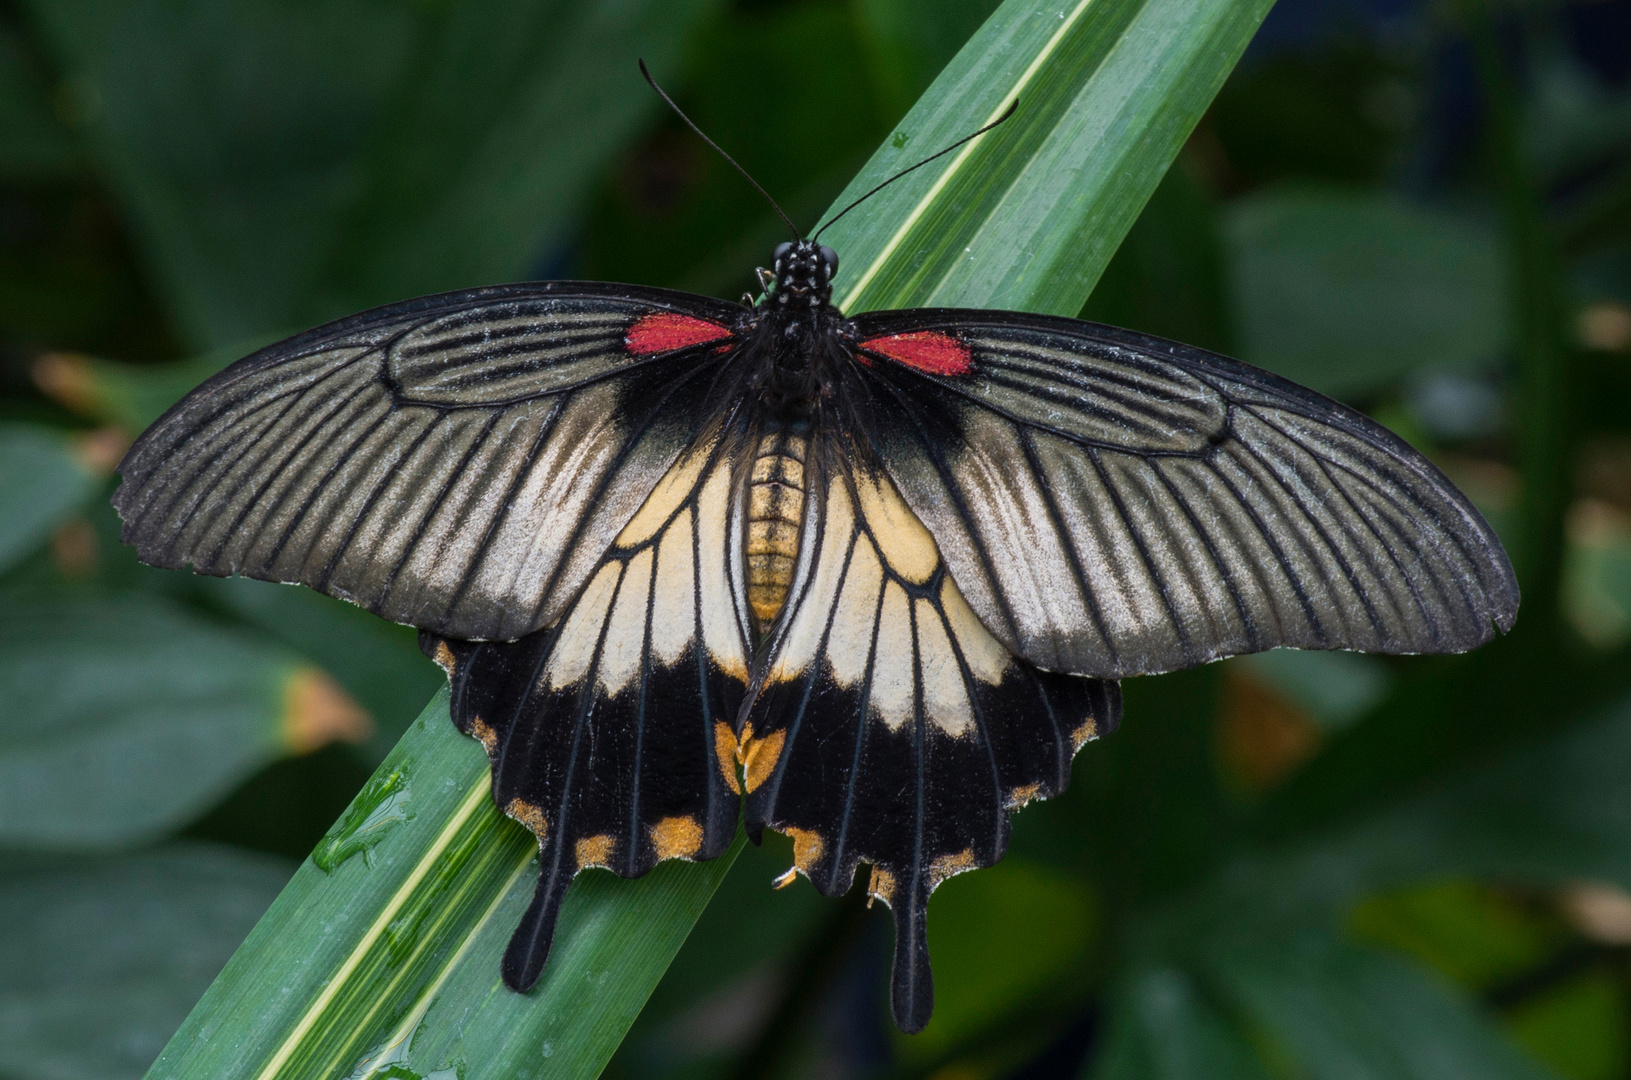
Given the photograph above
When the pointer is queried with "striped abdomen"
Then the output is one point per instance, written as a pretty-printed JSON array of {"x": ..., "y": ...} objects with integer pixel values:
[{"x": 775, "y": 513}]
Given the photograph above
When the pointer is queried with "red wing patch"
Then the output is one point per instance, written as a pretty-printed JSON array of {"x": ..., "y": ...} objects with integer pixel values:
[
  {"x": 665, "y": 331},
  {"x": 931, "y": 351}
]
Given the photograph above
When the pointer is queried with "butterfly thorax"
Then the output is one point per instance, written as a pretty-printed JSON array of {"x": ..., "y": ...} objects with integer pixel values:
[{"x": 793, "y": 327}]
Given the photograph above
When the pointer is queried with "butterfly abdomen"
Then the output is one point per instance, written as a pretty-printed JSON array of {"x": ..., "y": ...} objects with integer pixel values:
[{"x": 775, "y": 515}]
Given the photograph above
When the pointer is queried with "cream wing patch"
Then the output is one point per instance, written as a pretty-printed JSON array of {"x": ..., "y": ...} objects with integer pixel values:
[
  {"x": 661, "y": 589},
  {"x": 880, "y": 615}
]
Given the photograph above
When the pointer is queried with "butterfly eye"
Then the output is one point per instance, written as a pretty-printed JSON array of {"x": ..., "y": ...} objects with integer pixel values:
[
  {"x": 829, "y": 261},
  {"x": 781, "y": 251}
]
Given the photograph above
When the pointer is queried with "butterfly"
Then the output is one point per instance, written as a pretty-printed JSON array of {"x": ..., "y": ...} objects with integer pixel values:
[{"x": 869, "y": 581}]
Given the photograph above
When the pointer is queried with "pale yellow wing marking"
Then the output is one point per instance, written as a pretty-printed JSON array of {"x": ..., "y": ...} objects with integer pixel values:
[
  {"x": 575, "y": 649},
  {"x": 644, "y": 595},
  {"x": 667, "y": 497},
  {"x": 945, "y": 696},
  {"x": 721, "y": 624},
  {"x": 626, "y": 629},
  {"x": 803, "y": 637},
  {"x": 892, "y": 668},
  {"x": 673, "y": 609},
  {"x": 857, "y": 618}
]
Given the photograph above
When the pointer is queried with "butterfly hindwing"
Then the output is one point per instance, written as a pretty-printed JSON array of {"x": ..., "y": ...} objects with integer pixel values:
[
  {"x": 888, "y": 725},
  {"x": 1114, "y": 504},
  {"x": 458, "y": 463},
  {"x": 601, "y": 728}
]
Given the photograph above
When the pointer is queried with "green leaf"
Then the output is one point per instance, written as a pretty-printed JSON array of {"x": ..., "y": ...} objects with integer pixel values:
[
  {"x": 232, "y": 134},
  {"x": 1578, "y": 1028},
  {"x": 1542, "y": 815},
  {"x": 1348, "y": 291},
  {"x": 386, "y": 953},
  {"x": 1597, "y": 576},
  {"x": 1347, "y": 1013},
  {"x": 1162, "y": 1027},
  {"x": 1027, "y": 216},
  {"x": 378, "y": 662},
  {"x": 997, "y": 938},
  {"x": 391, "y": 965},
  {"x": 505, "y": 115},
  {"x": 101, "y": 958},
  {"x": 122, "y": 718},
  {"x": 1335, "y": 688},
  {"x": 33, "y": 142},
  {"x": 1261, "y": 933},
  {"x": 41, "y": 483},
  {"x": 1476, "y": 935},
  {"x": 911, "y": 40},
  {"x": 287, "y": 162}
]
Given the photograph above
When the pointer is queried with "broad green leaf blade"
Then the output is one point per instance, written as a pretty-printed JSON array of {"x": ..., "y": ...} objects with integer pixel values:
[
  {"x": 1162, "y": 1028},
  {"x": 1348, "y": 291},
  {"x": 124, "y": 717},
  {"x": 1333, "y": 688},
  {"x": 232, "y": 134},
  {"x": 1261, "y": 932},
  {"x": 1345, "y": 1012},
  {"x": 285, "y": 163},
  {"x": 33, "y": 142},
  {"x": 1027, "y": 216},
  {"x": 378, "y": 663},
  {"x": 41, "y": 483},
  {"x": 384, "y": 949},
  {"x": 498, "y": 128},
  {"x": 1542, "y": 815},
  {"x": 425, "y": 879},
  {"x": 102, "y": 958}
]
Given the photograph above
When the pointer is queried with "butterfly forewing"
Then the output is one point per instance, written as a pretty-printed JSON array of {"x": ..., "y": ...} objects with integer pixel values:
[
  {"x": 888, "y": 725},
  {"x": 1113, "y": 504},
  {"x": 601, "y": 729},
  {"x": 458, "y": 463}
]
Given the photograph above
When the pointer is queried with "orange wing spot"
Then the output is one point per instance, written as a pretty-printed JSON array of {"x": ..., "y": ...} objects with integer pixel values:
[
  {"x": 758, "y": 756},
  {"x": 676, "y": 837},
  {"x": 665, "y": 331},
  {"x": 929, "y": 351},
  {"x": 444, "y": 658},
  {"x": 1022, "y": 795},
  {"x": 484, "y": 732},
  {"x": 595, "y": 850},
  {"x": 807, "y": 847},
  {"x": 529, "y": 815},
  {"x": 881, "y": 887},
  {"x": 948, "y": 866},
  {"x": 725, "y": 751},
  {"x": 1085, "y": 732}
]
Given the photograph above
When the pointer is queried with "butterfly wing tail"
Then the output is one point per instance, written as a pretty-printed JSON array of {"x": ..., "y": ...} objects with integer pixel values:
[
  {"x": 911, "y": 983},
  {"x": 528, "y": 951}
]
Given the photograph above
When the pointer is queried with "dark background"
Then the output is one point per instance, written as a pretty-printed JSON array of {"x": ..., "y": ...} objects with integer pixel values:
[{"x": 1322, "y": 865}]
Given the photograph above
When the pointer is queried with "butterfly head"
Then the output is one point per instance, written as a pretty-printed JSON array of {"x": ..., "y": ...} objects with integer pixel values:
[{"x": 804, "y": 271}]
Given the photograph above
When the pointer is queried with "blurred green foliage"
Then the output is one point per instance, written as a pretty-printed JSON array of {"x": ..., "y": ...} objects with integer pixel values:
[{"x": 1306, "y": 865}]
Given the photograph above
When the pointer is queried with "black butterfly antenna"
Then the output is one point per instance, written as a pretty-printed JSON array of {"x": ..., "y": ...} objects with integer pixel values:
[
  {"x": 1006, "y": 113},
  {"x": 690, "y": 124}
]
